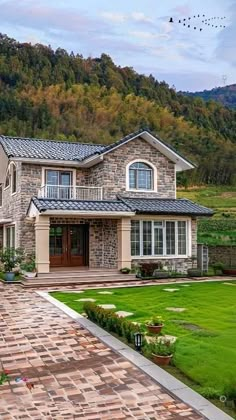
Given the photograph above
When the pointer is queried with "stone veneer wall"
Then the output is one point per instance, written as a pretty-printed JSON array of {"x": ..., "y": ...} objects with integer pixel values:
[
  {"x": 103, "y": 240},
  {"x": 176, "y": 264},
  {"x": 222, "y": 253},
  {"x": 111, "y": 172}
]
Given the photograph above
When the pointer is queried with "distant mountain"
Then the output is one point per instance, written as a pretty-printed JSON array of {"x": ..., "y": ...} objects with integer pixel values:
[
  {"x": 225, "y": 95},
  {"x": 53, "y": 94}
]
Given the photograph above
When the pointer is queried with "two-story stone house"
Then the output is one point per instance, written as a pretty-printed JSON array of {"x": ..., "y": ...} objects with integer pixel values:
[{"x": 113, "y": 206}]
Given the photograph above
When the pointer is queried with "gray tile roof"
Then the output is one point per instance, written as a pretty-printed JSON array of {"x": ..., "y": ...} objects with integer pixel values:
[
  {"x": 48, "y": 149},
  {"x": 166, "y": 206},
  {"x": 123, "y": 204},
  {"x": 43, "y": 204},
  {"x": 64, "y": 150}
]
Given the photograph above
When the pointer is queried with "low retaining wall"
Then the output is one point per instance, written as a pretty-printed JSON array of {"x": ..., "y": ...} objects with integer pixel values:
[{"x": 222, "y": 253}]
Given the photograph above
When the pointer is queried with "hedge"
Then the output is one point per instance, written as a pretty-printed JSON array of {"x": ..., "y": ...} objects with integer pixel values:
[{"x": 111, "y": 321}]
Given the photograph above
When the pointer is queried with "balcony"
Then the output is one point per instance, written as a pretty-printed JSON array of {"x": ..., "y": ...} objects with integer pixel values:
[{"x": 62, "y": 192}]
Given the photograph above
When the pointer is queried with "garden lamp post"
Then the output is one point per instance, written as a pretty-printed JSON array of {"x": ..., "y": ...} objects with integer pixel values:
[{"x": 138, "y": 340}]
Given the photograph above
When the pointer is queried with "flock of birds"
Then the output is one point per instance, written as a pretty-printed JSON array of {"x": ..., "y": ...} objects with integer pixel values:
[{"x": 213, "y": 22}]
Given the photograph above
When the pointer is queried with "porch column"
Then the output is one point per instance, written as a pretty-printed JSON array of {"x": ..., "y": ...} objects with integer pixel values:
[
  {"x": 42, "y": 225},
  {"x": 124, "y": 251}
]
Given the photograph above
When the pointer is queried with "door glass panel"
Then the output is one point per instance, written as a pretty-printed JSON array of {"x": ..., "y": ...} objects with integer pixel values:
[
  {"x": 56, "y": 241},
  {"x": 76, "y": 240},
  {"x": 65, "y": 178}
]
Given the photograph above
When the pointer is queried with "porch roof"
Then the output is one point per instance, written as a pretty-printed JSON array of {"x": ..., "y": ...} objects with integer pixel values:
[
  {"x": 166, "y": 206},
  {"x": 121, "y": 206},
  {"x": 46, "y": 205}
]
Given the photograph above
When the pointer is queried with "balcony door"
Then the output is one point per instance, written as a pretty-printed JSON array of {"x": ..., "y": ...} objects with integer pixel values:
[
  {"x": 58, "y": 184},
  {"x": 68, "y": 245}
]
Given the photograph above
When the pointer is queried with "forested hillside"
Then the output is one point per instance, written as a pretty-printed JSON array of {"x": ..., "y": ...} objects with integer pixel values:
[
  {"x": 225, "y": 95},
  {"x": 53, "y": 94}
]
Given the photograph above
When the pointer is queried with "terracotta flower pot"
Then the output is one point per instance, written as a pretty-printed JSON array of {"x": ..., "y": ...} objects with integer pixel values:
[
  {"x": 161, "y": 360},
  {"x": 154, "y": 329}
]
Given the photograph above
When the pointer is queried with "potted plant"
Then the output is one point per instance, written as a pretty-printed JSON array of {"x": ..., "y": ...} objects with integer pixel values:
[
  {"x": 155, "y": 325},
  {"x": 28, "y": 267},
  {"x": 162, "y": 352},
  {"x": 10, "y": 258},
  {"x": 125, "y": 270}
]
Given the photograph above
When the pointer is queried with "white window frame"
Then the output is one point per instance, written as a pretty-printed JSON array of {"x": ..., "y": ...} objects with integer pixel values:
[
  {"x": 55, "y": 168},
  {"x": 5, "y": 227},
  {"x": 8, "y": 173},
  {"x": 164, "y": 255},
  {"x": 154, "y": 174}
]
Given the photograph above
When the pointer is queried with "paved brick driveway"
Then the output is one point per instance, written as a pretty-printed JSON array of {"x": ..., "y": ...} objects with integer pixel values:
[{"x": 75, "y": 375}]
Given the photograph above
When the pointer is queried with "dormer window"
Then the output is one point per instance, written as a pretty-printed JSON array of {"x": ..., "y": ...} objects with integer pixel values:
[{"x": 141, "y": 176}]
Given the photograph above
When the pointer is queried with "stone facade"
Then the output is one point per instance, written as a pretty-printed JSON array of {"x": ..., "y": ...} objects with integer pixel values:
[
  {"x": 224, "y": 254},
  {"x": 110, "y": 174},
  {"x": 103, "y": 239}
]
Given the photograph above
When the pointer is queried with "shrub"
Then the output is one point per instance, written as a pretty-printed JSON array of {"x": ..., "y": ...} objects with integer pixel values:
[
  {"x": 147, "y": 269},
  {"x": 11, "y": 258},
  {"x": 160, "y": 348},
  {"x": 111, "y": 322},
  {"x": 219, "y": 266}
]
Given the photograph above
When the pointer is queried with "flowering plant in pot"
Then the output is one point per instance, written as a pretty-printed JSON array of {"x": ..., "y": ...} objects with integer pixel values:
[
  {"x": 28, "y": 266},
  {"x": 161, "y": 352},
  {"x": 10, "y": 259},
  {"x": 155, "y": 324}
]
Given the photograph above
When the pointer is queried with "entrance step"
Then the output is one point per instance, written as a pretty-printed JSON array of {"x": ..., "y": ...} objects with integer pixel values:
[{"x": 78, "y": 281}]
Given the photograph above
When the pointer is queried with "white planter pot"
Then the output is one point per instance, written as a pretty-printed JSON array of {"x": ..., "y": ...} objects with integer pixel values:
[{"x": 30, "y": 275}]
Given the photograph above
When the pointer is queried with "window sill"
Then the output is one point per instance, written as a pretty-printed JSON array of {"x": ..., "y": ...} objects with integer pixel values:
[
  {"x": 163, "y": 257},
  {"x": 13, "y": 193},
  {"x": 6, "y": 188},
  {"x": 146, "y": 191}
]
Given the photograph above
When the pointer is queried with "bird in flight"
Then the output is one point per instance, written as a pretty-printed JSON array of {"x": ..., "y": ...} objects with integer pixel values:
[{"x": 195, "y": 19}]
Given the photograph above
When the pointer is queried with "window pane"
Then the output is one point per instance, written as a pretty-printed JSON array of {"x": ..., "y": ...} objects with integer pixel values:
[
  {"x": 135, "y": 237},
  {"x": 170, "y": 238},
  {"x": 0, "y": 195},
  {"x": 132, "y": 179},
  {"x": 8, "y": 237},
  {"x": 52, "y": 177},
  {"x": 158, "y": 241},
  {"x": 147, "y": 238},
  {"x": 182, "y": 242},
  {"x": 13, "y": 234},
  {"x": 13, "y": 179},
  {"x": 144, "y": 179},
  {"x": 7, "y": 182}
]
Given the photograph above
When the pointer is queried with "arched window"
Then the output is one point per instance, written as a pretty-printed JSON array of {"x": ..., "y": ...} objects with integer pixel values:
[{"x": 140, "y": 176}]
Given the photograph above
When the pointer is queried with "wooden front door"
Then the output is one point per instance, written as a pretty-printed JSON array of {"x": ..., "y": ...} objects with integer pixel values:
[{"x": 68, "y": 245}]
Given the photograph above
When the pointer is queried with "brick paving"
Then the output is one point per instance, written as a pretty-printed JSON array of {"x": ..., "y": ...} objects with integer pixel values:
[{"x": 75, "y": 376}]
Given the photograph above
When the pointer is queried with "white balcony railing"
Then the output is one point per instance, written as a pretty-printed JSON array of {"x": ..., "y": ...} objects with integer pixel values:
[{"x": 62, "y": 192}]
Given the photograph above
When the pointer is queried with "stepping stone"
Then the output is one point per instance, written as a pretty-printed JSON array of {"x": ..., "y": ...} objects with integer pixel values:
[
  {"x": 170, "y": 290},
  {"x": 86, "y": 300},
  {"x": 229, "y": 284},
  {"x": 185, "y": 285},
  {"x": 107, "y": 306},
  {"x": 163, "y": 339},
  {"x": 176, "y": 309},
  {"x": 105, "y": 293},
  {"x": 123, "y": 314},
  {"x": 73, "y": 291}
]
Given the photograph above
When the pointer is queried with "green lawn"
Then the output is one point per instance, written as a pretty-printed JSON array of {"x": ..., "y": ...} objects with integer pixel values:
[{"x": 206, "y": 349}]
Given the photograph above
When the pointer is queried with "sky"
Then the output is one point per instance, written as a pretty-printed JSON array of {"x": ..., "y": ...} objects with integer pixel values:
[{"x": 135, "y": 33}]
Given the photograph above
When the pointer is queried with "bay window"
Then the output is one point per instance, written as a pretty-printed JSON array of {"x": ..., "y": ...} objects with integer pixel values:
[{"x": 158, "y": 238}]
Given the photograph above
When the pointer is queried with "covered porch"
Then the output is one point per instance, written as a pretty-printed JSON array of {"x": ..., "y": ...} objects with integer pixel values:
[{"x": 78, "y": 239}]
